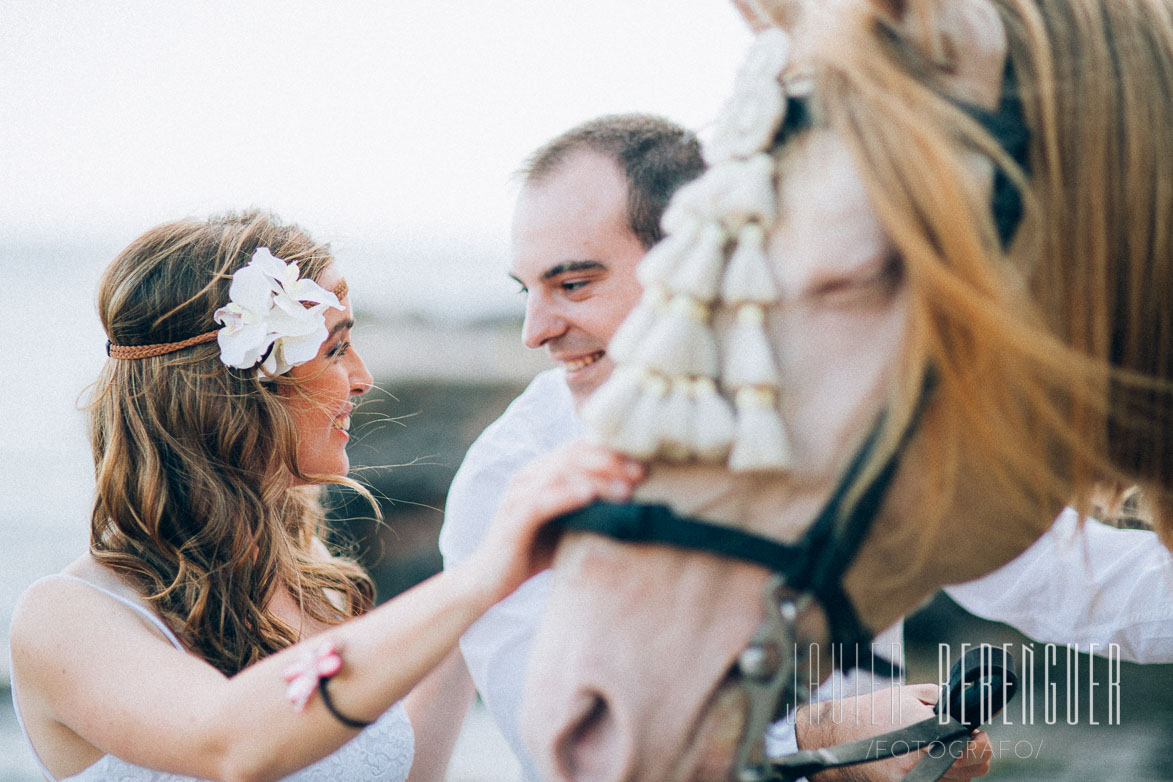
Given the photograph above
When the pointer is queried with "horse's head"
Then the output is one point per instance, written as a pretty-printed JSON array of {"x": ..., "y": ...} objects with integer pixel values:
[{"x": 916, "y": 305}]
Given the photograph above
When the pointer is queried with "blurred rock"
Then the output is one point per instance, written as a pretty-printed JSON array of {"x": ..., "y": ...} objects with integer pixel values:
[
  {"x": 437, "y": 386},
  {"x": 408, "y": 440}
]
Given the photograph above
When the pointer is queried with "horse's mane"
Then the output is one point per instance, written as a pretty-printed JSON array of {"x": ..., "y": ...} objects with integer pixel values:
[{"x": 1051, "y": 362}]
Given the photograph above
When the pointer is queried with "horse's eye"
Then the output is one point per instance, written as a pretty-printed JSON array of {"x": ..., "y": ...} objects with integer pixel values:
[{"x": 873, "y": 284}]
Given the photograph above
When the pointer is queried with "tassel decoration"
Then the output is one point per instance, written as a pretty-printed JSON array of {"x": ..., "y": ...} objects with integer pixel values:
[
  {"x": 634, "y": 329},
  {"x": 760, "y": 442},
  {"x": 607, "y": 410},
  {"x": 747, "y": 277},
  {"x": 744, "y": 192},
  {"x": 666, "y": 398},
  {"x": 699, "y": 273},
  {"x": 639, "y": 437},
  {"x": 686, "y": 209},
  {"x": 748, "y": 358},
  {"x": 682, "y": 342},
  {"x": 662, "y": 260},
  {"x": 713, "y": 423},
  {"x": 677, "y": 420}
]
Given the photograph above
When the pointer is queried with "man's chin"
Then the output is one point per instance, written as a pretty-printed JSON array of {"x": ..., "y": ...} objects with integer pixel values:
[{"x": 586, "y": 381}]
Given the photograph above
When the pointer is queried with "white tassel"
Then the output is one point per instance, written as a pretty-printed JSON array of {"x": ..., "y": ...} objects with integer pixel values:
[
  {"x": 766, "y": 56},
  {"x": 607, "y": 411},
  {"x": 747, "y": 275},
  {"x": 698, "y": 275},
  {"x": 634, "y": 329},
  {"x": 713, "y": 422},
  {"x": 747, "y": 193},
  {"x": 639, "y": 437},
  {"x": 660, "y": 263},
  {"x": 686, "y": 208},
  {"x": 749, "y": 359},
  {"x": 760, "y": 442},
  {"x": 677, "y": 420},
  {"x": 681, "y": 343}
]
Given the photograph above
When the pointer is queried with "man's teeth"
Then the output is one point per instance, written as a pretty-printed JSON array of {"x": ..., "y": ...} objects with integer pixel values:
[
  {"x": 342, "y": 423},
  {"x": 577, "y": 364}
]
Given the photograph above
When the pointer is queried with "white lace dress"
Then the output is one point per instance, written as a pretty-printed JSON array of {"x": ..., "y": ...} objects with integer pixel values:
[{"x": 380, "y": 753}]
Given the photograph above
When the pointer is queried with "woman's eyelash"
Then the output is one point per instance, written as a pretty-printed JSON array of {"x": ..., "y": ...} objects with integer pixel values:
[{"x": 339, "y": 350}]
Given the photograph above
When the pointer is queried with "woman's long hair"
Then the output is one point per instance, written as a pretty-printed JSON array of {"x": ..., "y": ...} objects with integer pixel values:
[
  {"x": 1051, "y": 362},
  {"x": 195, "y": 461}
]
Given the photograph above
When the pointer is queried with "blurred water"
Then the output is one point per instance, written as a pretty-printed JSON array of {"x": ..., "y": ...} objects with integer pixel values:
[{"x": 50, "y": 347}]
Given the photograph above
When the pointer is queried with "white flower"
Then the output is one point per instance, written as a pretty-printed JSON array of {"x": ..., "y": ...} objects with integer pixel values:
[
  {"x": 265, "y": 311},
  {"x": 751, "y": 116}
]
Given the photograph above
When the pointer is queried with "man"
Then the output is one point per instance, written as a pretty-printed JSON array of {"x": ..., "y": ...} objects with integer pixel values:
[{"x": 588, "y": 210}]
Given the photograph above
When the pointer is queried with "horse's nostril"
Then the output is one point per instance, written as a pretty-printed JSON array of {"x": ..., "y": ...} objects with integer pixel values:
[{"x": 592, "y": 748}]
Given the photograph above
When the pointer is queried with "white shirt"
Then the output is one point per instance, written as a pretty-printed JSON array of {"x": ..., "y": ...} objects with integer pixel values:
[
  {"x": 1100, "y": 585},
  {"x": 1095, "y": 585},
  {"x": 496, "y": 648}
]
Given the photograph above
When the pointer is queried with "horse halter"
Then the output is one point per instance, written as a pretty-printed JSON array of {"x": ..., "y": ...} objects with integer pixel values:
[{"x": 812, "y": 570}]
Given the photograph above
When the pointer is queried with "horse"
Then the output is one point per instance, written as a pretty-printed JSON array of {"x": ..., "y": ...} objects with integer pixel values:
[{"x": 963, "y": 324}]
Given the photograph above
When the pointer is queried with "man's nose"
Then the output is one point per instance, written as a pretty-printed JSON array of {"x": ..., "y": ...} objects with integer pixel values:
[{"x": 543, "y": 322}]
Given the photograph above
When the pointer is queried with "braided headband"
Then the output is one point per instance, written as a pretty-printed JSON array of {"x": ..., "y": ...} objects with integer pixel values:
[{"x": 262, "y": 322}]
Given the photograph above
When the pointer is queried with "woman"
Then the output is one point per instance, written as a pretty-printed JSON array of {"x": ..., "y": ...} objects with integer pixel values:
[{"x": 198, "y": 635}]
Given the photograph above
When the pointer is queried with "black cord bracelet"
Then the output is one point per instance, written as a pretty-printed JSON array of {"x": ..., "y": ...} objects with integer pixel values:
[{"x": 329, "y": 704}]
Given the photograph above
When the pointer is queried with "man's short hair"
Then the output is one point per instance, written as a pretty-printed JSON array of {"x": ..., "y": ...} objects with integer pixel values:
[{"x": 655, "y": 154}]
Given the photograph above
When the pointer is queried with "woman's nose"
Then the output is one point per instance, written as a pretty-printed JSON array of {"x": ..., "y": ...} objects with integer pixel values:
[{"x": 360, "y": 377}]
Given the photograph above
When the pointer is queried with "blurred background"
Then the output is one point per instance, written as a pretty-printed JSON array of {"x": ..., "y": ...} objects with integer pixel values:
[{"x": 390, "y": 129}]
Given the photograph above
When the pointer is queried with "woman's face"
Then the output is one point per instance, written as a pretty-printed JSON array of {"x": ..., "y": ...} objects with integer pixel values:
[{"x": 322, "y": 401}]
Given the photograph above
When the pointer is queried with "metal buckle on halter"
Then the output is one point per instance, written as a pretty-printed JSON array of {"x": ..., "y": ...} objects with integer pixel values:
[
  {"x": 980, "y": 684},
  {"x": 768, "y": 664}
]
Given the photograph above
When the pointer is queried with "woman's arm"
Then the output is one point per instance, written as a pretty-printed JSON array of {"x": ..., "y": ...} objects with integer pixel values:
[{"x": 95, "y": 668}]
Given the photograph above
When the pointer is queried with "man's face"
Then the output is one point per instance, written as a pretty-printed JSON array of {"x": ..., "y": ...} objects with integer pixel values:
[{"x": 575, "y": 254}]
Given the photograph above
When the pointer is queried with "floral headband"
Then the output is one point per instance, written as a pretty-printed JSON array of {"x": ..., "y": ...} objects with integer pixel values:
[{"x": 273, "y": 317}]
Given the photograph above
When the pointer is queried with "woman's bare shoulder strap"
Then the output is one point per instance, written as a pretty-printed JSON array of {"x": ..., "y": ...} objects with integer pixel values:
[{"x": 135, "y": 606}]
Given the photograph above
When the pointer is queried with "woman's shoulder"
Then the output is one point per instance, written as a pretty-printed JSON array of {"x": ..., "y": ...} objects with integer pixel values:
[
  {"x": 82, "y": 600},
  {"x": 47, "y": 597}
]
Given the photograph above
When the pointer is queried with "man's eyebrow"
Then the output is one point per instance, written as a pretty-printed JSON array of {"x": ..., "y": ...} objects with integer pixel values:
[
  {"x": 572, "y": 266},
  {"x": 564, "y": 268},
  {"x": 340, "y": 325}
]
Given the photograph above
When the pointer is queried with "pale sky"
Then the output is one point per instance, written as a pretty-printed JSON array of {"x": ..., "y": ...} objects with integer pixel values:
[{"x": 399, "y": 120}]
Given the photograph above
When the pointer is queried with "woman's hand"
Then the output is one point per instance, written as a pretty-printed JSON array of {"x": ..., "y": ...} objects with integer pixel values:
[{"x": 549, "y": 486}]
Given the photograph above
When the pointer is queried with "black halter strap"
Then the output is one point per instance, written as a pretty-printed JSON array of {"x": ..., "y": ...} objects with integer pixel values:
[
  {"x": 816, "y": 563},
  {"x": 1007, "y": 125},
  {"x": 800, "y": 564}
]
